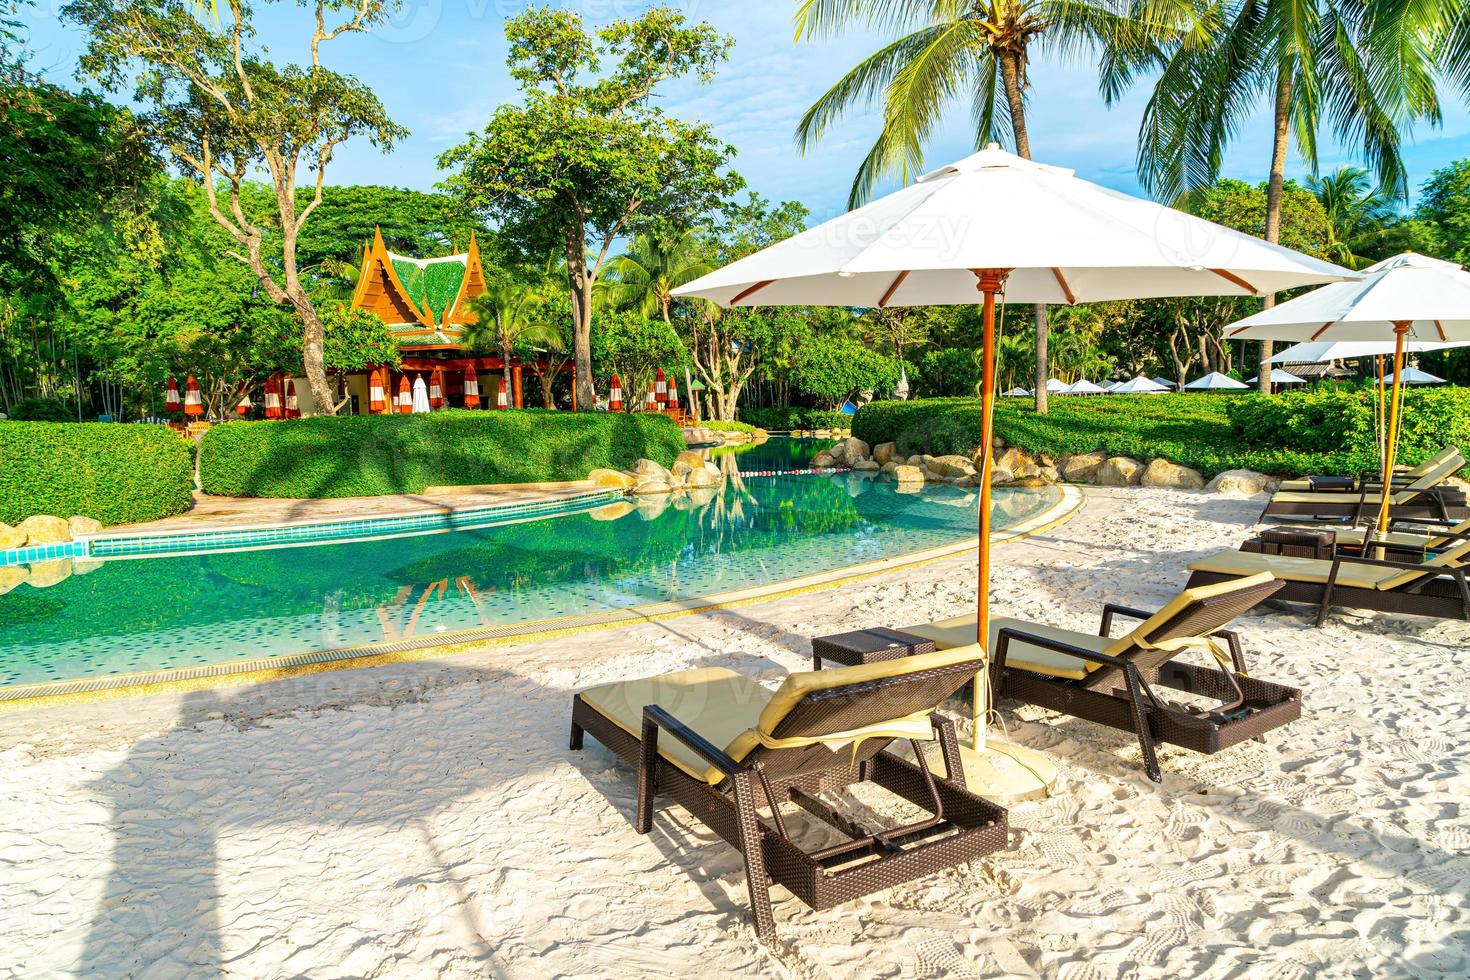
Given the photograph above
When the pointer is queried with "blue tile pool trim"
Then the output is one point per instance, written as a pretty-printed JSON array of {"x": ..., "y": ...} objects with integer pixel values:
[
  {"x": 193, "y": 542},
  {"x": 44, "y": 552}
]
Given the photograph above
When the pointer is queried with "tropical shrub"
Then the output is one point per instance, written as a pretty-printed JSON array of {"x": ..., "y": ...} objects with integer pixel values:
[
  {"x": 791, "y": 417},
  {"x": 116, "y": 474},
  {"x": 43, "y": 410},
  {"x": 368, "y": 455}
]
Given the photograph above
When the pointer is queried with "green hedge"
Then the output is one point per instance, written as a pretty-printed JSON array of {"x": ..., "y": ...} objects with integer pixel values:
[
  {"x": 117, "y": 474},
  {"x": 368, "y": 455},
  {"x": 1284, "y": 434},
  {"x": 782, "y": 419}
]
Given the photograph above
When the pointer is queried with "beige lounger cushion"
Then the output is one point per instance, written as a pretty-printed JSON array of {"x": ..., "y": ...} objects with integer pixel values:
[
  {"x": 1449, "y": 452},
  {"x": 1449, "y": 558},
  {"x": 1439, "y": 473},
  {"x": 1313, "y": 570},
  {"x": 728, "y": 709},
  {"x": 1357, "y": 536}
]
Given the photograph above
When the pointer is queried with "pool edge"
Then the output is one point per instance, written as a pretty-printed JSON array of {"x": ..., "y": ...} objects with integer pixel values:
[{"x": 260, "y": 670}]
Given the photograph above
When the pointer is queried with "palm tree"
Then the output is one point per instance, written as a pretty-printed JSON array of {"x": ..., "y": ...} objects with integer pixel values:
[
  {"x": 503, "y": 320},
  {"x": 645, "y": 277},
  {"x": 1356, "y": 211},
  {"x": 1366, "y": 67},
  {"x": 976, "y": 50}
]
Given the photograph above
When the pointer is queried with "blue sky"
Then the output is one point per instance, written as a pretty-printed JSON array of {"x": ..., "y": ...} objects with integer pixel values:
[{"x": 440, "y": 70}]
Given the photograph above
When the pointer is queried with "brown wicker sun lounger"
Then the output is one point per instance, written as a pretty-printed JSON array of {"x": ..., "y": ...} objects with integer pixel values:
[
  {"x": 725, "y": 747},
  {"x": 1112, "y": 681},
  {"x": 1406, "y": 538},
  {"x": 1437, "y": 588},
  {"x": 1425, "y": 497},
  {"x": 1402, "y": 475}
]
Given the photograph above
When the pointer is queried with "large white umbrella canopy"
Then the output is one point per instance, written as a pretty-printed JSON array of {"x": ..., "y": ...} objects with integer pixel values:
[
  {"x": 1085, "y": 387},
  {"x": 1138, "y": 386},
  {"x": 1215, "y": 381},
  {"x": 1164, "y": 382},
  {"x": 1280, "y": 377},
  {"x": 1063, "y": 240},
  {"x": 994, "y": 223},
  {"x": 1324, "y": 351},
  {"x": 1056, "y": 387},
  {"x": 1414, "y": 376}
]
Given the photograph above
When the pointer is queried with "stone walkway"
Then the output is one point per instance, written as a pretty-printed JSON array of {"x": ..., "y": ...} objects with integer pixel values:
[{"x": 211, "y": 513}]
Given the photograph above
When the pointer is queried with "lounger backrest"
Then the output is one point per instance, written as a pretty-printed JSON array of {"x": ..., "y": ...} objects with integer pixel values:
[
  {"x": 1194, "y": 612},
  {"x": 1456, "y": 557},
  {"x": 813, "y": 704},
  {"x": 1447, "y": 453},
  {"x": 1440, "y": 473}
]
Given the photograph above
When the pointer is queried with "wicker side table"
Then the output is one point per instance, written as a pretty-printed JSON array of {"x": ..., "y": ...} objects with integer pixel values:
[{"x": 867, "y": 647}]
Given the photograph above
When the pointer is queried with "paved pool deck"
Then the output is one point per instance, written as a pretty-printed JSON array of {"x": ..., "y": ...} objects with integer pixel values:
[{"x": 211, "y": 513}]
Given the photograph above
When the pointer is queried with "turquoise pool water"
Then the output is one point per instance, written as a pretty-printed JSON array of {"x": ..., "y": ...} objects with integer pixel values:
[{"x": 173, "y": 612}]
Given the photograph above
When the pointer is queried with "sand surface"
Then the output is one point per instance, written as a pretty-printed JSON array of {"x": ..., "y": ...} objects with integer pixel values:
[{"x": 428, "y": 819}]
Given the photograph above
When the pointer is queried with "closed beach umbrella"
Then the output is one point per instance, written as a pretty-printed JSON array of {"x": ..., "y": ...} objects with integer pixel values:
[
  {"x": 673, "y": 393},
  {"x": 1215, "y": 381},
  {"x": 273, "y": 397},
  {"x": 293, "y": 407},
  {"x": 471, "y": 388},
  {"x": 1138, "y": 386},
  {"x": 405, "y": 395},
  {"x": 650, "y": 402},
  {"x": 377, "y": 396},
  {"x": 500, "y": 400},
  {"x": 615, "y": 395},
  {"x": 171, "y": 400},
  {"x": 193, "y": 403},
  {"x": 436, "y": 389},
  {"x": 1406, "y": 298},
  {"x": 660, "y": 387},
  {"x": 420, "y": 395},
  {"x": 243, "y": 406},
  {"x": 991, "y": 222}
]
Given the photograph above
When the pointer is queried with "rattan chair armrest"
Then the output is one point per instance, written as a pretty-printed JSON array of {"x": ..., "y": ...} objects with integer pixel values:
[
  {"x": 1007, "y": 634},
  {"x": 704, "y": 748},
  {"x": 1413, "y": 523},
  {"x": 1407, "y": 566},
  {"x": 1112, "y": 609}
]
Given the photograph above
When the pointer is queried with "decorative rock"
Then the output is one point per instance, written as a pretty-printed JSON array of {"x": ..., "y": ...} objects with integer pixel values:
[
  {"x": 681, "y": 470},
  {"x": 1162, "y": 473},
  {"x": 45, "y": 574},
  {"x": 1014, "y": 459},
  {"x": 1120, "y": 471},
  {"x": 854, "y": 449},
  {"x": 884, "y": 451},
  {"x": 651, "y": 485},
  {"x": 866, "y": 466},
  {"x": 909, "y": 488},
  {"x": 890, "y": 466},
  {"x": 607, "y": 512},
  {"x": 823, "y": 460},
  {"x": 915, "y": 460},
  {"x": 693, "y": 459},
  {"x": 648, "y": 469},
  {"x": 951, "y": 466},
  {"x": 43, "y": 529},
  {"x": 1001, "y": 477},
  {"x": 1083, "y": 467},
  {"x": 1049, "y": 473},
  {"x": 11, "y": 538},
  {"x": 649, "y": 508},
  {"x": 701, "y": 478},
  {"x": 612, "y": 478},
  {"x": 80, "y": 526},
  {"x": 11, "y": 576},
  {"x": 838, "y": 452},
  {"x": 908, "y": 474},
  {"x": 700, "y": 496},
  {"x": 1240, "y": 483}
]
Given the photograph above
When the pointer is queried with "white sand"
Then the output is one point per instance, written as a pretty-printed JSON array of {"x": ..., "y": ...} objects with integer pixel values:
[{"x": 428, "y": 819}]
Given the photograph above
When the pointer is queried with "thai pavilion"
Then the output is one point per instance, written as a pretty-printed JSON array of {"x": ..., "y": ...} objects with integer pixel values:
[{"x": 426, "y": 305}]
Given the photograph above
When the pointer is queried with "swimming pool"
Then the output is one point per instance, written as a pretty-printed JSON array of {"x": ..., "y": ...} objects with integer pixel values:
[{"x": 168, "y": 613}]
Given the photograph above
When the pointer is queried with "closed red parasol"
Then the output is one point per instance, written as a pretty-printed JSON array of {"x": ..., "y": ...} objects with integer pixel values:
[
  {"x": 293, "y": 409},
  {"x": 673, "y": 393},
  {"x": 273, "y": 397},
  {"x": 377, "y": 393},
  {"x": 171, "y": 400},
  {"x": 243, "y": 406},
  {"x": 500, "y": 400},
  {"x": 193, "y": 403},
  {"x": 405, "y": 396},
  {"x": 436, "y": 389},
  {"x": 650, "y": 403},
  {"x": 615, "y": 395},
  {"x": 471, "y": 388},
  {"x": 660, "y": 388}
]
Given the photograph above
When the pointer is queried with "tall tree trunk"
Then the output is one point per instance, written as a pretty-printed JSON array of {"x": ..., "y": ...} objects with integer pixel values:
[
  {"x": 581, "y": 287},
  {"x": 505, "y": 373},
  {"x": 313, "y": 358},
  {"x": 1011, "y": 67},
  {"x": 1274, "y": 194}
]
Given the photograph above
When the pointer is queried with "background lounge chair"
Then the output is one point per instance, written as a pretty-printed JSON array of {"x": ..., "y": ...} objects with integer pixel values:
[
  {"x": 1402, "y": 474},
  {"x": 723, "y": 746},
  {"x": 1425, "y": 497}
]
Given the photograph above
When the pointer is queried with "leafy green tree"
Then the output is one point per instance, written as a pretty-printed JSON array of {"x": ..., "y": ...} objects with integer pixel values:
[
  {"x": 505, "y": 320},
  {"x": 1364, "y": 68},
  {"x": 1444, "y": 204},
  {"x": 834, "y": 370},
  {"x": 223, "y": 111},
  {"x": 1356, "y": 213},
  {"x": 645, "y": 276},
  {"x": 973, "y": 52},
  {"x": 588, "y": 158},
  {"x": 633, "y": 347}
]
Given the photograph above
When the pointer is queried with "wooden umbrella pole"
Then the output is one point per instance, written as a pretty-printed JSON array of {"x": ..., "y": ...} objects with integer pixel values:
[
  {"x": 1395, "y": 410},
  {"x": 989, "y": 283},
  {"x": 1382, "y": 416}
]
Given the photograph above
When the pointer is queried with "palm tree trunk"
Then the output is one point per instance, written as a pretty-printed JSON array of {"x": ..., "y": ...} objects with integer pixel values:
[
  {"x": 1010, "y": 73},
  {"x": 505, "y": 374},
  {"x": 1274, "y": 194}
]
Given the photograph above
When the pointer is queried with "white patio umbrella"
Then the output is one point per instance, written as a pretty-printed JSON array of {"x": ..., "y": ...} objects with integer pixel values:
[
  {"x": 1055, "y": 387},
  {"x": 1164, "y": 382},
  {"x": 1215, "y": 381},
  {"x": 1139, "y": 386},
  {"x": 1085, "y": 387},
  {"x": 420, "y": 395},
  {"x": 1281, "y": 377},
  {"x": 994, "y": 223},
  {"x": 1414, "y": 376},
  {"x": 1406, "y": 298},
  {"x": 1323, "y": 351},
  {"x": 1017, "y": 392}
]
